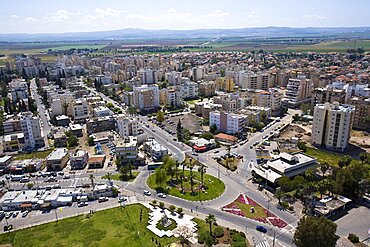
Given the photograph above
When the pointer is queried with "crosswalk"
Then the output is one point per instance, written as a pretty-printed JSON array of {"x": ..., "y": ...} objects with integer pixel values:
[{"x": 263, "y": 244}]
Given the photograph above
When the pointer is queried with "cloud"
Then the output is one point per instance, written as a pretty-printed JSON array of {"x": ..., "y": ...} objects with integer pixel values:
[
  {"x": 315, "y": 17},
  {"x": 60, "y": 15},
  {"x": 31, "y": 19},
  {"x": 14, "y": 16}
]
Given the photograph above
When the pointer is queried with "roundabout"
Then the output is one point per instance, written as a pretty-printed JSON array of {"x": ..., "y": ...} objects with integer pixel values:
[{"x": 188, "y": 185}]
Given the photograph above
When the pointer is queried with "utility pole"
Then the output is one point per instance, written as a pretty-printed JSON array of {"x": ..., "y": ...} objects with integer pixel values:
[
  {"x": 273, "y": 240},
  {"x": 56, "y": 215}
]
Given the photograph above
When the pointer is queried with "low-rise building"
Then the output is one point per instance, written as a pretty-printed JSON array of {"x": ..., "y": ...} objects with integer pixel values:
[
  {"x": 127, "y": 149},
  {"x": 96, "y": 161},
  {"x": 76, "y": 129},
  {"x": 127, "y": 126},
  {"x": 4, "y": 162},
  {"x": 155, "y": 149},
  {"x": 57, "y": 159},
  {"x": 289, "y": 165},
  {"x": 100, "y": 124},
  {"x": 101, "y": 111},
  {"x": 79, "y": 159},
  {"x": 13, "y": 142}
]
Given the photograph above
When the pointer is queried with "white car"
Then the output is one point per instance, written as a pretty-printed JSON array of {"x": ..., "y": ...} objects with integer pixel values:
[
  {"x": 162, "y": 195},
  {"x": 147, "y": 193}
]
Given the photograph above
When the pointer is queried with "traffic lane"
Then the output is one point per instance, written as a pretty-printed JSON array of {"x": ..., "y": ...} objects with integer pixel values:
[{"x": 205, "y": 208}]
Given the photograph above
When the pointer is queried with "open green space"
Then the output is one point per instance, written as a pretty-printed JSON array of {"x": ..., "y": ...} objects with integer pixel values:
[
  {"x": 327, "y": 156},
  {"x": 214, "y": 186},
  {"x": 33, "y": 155},
  {"x": 113, "y": 227},
  {"x": 246, "y": 209},
  {"x": 332, "y": 46},
  {"x": 121, "y": 177}
]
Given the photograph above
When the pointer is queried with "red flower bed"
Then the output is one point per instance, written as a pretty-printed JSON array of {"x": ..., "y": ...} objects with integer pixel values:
[
  {"x": 241, "y": 199},
  {"x": 278, "y": 222},
  {"x": 251, "y": 202}
]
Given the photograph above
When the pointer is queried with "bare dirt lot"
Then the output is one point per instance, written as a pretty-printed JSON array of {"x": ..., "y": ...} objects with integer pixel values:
[
  {"x": 302, "y": 132},
  {"x": 361, "y": 139},
  {"x": 188, "y": 121}
]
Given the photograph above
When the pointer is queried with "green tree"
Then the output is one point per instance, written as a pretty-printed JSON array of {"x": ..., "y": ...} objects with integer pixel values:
[
  {"x": 213, "y": 128},
  {"x": 179, "y": 131},
  {"x": 160, "y": 116},
  {"x": 72, "y": 140},
  {"x": 202, "y": 169},
  {"x": 210, "y": 219},
  {"x": 279, "y": 194},
  {"x": 91, "y": 177},
  {"x": 313, "y": 231},
  {"x": 160, "y": 177},
  {"x": 305, "y": 108},
  {"x": 124, "y": 171},
  {"x": 170, "y": 166},
  {"x": 363, "y": 157},
  {"x": 90, "y": 141},
  {"x": 324, "y": 167}
]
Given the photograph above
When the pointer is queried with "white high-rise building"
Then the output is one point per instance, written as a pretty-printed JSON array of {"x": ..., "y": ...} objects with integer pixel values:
[
  {"x": 332, "y": 124},
  {"x": 31, "y": 129},
  {"x": 250, "y": 80},
  {"x": 127, "y": 126},
  {"x": 230, "y": 123},
  {"x": 298, "y": 91},
  {"x": 148, "y": 76},
  {"x": 189, "y": 90}
]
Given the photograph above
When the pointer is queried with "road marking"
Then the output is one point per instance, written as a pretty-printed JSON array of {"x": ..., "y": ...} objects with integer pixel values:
[{"x": 263, "y": 244}]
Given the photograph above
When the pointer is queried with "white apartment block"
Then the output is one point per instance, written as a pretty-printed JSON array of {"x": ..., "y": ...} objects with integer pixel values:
[
  {"x": 146, "y": 97},
  {"x": 18, "y": 89},
  {"x": 332, "y": 124},
  {"x": 198, "y": 73},
  {"x": 80, "y": 110},
  {"x": 101, "y": 111},
  {"x": 148, "y": 76},
  {"x": 271, "y": 99},
  {"x": 127, "y": 126},
  {"x": 174, "y": 78},
  {"x": 170, "y": 97},
  {"x": 298, "y": 91},
  {"x": 31, "y": 129},
  {"x": 230, "y": 123},
  {"x": 189, "y": 90},
  {"x": 61, "y": 104},
  {"x": 250, "y": 80}
]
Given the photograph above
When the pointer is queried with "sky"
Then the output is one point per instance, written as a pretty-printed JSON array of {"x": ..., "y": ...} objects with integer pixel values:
[{"x": 51, "y": 16}]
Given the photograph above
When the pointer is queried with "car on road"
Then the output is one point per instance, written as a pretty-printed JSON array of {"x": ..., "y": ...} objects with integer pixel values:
[
  {"x": 66, "y": 176},
  {"x": 162, "y": 195},
  {"x": 153, "y": 130},
  {"x": 8, "y": 215},
  {"x": 24, "y": 180},
  {"x": 103, "y": 199},
  {"x": 25, "y": 213},
  {"x": 15, "y": 214},
  {"x": 261, "y": 229},
  {"x": 147, "y": 193},
  {"x": 122, "y": 199},
  {"x": 60, "y": 173},
  {"x": 51, "y": 180},
  {"x": 82, "y": 204},
  {"x": 194, "y": 153},
  {"x": 216, "y": 151}
]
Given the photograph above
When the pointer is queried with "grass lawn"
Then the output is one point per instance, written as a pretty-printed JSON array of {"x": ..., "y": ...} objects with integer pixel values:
[
  {"x": 33, "y": 155},
  {"x": 112, "y": 227},
  {"x": 215, "y": 187},
  {"x": 193, "y": 101},
  {"x": 246, "y": 208},
  {"x": 119, "y": 177},
  {"x": 324, "y": 155}
]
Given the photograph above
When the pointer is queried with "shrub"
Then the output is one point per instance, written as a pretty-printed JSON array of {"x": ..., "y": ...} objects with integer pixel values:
[
  {"x": 353, "y": 238},
  {"x": 284, "y": 205},
  {"x": 172, "y": 208},
  {"x": 154, "y": 202},
  {"x": 218, "y": 232},
  {"x": 179, "y": 210},
  {"x": 161, "y": 205}
]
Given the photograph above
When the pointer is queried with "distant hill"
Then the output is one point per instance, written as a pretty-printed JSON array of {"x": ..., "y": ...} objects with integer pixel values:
[{"x": 132, "y": 33}]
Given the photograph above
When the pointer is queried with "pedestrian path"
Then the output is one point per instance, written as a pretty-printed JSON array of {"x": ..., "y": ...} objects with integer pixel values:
[{"x": 263, "y": 244}]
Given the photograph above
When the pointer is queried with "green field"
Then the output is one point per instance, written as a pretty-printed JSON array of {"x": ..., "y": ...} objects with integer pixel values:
[
  {"x": 332, "y": 46},
  {"x": 112, "y": 227},
  {"x": 215, "y": 187},
  {"x": 34, "y": 155},
  {"x": 327, "y": 156},
  {"x": 118, "y": 177}
]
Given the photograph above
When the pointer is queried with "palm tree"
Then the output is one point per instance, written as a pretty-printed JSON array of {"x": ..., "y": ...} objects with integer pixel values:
[
  {"x": 123, "y": 170},
  {"x": 129, "y": 167},
  {"x": 108, "y": 176},
  {"x": 210, "y": 219},
  {"x": 347, "y": 160},
  {"x": 363, "y": 157},
  {"x": 202, "y": 170},
  {"x": 279, "y": 194},
  {"x": 191, "y": 177},
  {"x": 324, "y": 167},
  {"x": 92, "y": 180}
]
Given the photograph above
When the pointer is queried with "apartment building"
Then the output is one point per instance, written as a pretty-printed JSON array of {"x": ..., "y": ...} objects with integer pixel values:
[
  {"x": 207, "y": 88},
  {"x": 127, "y": 126},
  {"x": 327, "y": 94},
  {"x": 100, "y": 124},
  {"x": 229, "y": 123},
  {"x": 299, "y": 90},
  {"x": 250, "y": 80},
  {"x": 225, "y": 84},
  {"x": 203, "y": 108},
  {"x": 332, "y": 124},
  {"x": 18, "y": 89},
  {"x": 31, "y": 130},
  {"x": 271, "y": 99},
  {"x": 79, "y": 159},
  {"x": 80, "y": 111},
  {"x": 228, "y": 102},
  {"x": 361, "y": 120},
  {"x": 146, "y": 97},
  {"x": 170, "y": 97},
  {"x": 127, "y": 150},
  {"x": 174, "y": 78},
  {"x": 148, "y": 76},
  {"x": 101, "y": 111},
  {"x": 155, "y": 149},
  {"x": 61, "y": 103},
  {"x": 189, "y": 90},
  {"x": 57, "y": 159}
]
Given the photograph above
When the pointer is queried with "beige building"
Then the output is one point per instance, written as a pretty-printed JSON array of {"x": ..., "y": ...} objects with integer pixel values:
[
  {"x": 146, "y": 97},
  {"x": 250, "y": 80},
  {"x": 362, "y": 112},
  {"x": 225, "y": 84},
  {"x": 332, "y": 124},
  {"x": 299, "y": 90},
  {"x": 207, "y": 88},
  {"x": 57, "y": 159},
  {"x": 327, "y": 94}
]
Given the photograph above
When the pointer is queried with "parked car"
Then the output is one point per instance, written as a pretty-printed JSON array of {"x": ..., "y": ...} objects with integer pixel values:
[
  {"x": 261, "y": 229},
  {"x": 66, "y": 176},
  {"x": 147, "y": 193},
  {"x": 82, "y": 204},
  {"x": 51, "y": 180},
  {"x": 103, "y": 199},
  {"x": 15, "y": 214},
  {"x": 122, "y": 199},
  {"x": 162, "y": 195},
  {"x": 25, "y": 180},
  {"x": 8, "y": 215},
  {"x": 25, "y": 213}
]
